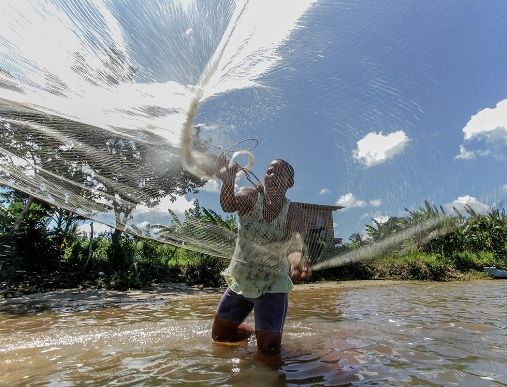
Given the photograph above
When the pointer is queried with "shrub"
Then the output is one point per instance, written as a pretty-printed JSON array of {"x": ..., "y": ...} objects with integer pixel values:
[{"x": 206, "y": 270}]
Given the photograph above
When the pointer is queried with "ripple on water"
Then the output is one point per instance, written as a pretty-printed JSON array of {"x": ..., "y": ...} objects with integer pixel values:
[{"x": 391, "y": 335}]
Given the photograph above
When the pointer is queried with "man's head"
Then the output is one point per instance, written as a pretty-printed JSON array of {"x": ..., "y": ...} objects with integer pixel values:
[{"x": 280, "y": 174}]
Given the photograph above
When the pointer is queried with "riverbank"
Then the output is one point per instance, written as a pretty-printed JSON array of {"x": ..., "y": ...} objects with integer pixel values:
[
  {"x": 75, "y": 299},
  {"x": 85, "y": 299}
]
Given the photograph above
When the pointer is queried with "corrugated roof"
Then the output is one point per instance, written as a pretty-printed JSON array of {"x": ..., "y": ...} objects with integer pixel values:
[{"x": 319, "y": 206}]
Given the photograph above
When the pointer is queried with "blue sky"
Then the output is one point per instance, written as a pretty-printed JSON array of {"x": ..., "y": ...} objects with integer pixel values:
[
  {"x": 372, "y": 103},
  {"x": 378, "y": 105}
]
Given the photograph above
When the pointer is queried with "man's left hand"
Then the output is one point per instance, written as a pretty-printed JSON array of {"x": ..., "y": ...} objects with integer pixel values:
[
  {"x": 300, "y": 274},
  {"x": 299, "y": 268}
]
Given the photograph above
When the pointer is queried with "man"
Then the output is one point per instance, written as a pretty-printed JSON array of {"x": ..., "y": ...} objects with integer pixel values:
[{"x": 269, "y": 246}]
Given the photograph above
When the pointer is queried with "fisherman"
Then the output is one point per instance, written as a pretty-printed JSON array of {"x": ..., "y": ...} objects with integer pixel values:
[{"x": 269, "y": 253}]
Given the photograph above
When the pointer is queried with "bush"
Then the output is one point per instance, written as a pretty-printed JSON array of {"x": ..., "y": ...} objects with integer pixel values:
[
  {"x": 352, "y": 271},
  {"x": 206, "y": 270}
]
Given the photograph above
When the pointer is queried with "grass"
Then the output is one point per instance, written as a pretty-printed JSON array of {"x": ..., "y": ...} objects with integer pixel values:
[{"x": 464, "y": 265}]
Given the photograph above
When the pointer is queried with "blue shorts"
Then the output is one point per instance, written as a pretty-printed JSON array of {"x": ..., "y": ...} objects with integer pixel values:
[{"x": 269, "y": 309}]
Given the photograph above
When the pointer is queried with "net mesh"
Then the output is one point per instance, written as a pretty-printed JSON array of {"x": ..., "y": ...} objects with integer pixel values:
[{"x": 100, "y": 106}]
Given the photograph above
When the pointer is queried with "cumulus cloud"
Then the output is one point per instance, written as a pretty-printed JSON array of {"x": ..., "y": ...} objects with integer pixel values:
[
  {"x": 381, "y": 218},
  {"x": 98, "y": 228},
  {"x": 488, "y": 123},
  {"x": 143, "y": 215},
  {"x": 376, "y": 148},
  {"x": 212, "y": 186},
  {"x": 350, "y": 201},
  {"x": 159, "y": 213},
  {"x": 180, "y": 205},
  {"x": 465, "y": 154},
  {"x": 325, "y": 191},
  {"x": 486, "y": 131},
  {"x": 461, "y": 201}
]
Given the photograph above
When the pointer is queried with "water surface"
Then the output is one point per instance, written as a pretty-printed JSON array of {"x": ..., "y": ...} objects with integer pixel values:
[{"x": 389, "y": 334}]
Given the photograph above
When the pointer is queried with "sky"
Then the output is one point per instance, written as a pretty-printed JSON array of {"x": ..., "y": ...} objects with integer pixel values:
[
  {"x": 385, "y": 105},
  {"x": 379, "y": 106}
]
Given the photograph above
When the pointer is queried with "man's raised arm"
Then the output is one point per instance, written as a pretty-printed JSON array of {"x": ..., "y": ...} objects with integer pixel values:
[{"x": 227, "y": 173}]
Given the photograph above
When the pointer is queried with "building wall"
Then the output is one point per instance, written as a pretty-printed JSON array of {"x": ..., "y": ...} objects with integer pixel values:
[{"x": 321, "y": 220}]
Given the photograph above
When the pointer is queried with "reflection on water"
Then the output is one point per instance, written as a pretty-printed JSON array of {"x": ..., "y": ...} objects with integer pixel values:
[{"x": 401, "y": 334}]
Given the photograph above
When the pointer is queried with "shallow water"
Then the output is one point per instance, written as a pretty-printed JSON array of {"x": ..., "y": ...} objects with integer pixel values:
[{"x": 396, "y": 334}]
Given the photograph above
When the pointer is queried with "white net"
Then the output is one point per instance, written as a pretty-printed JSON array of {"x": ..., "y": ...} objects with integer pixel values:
[{"x": 119, "y": 110}]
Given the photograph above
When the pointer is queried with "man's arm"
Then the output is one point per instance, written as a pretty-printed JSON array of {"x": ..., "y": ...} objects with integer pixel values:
[
  {"x": 228, "y": 195},
  {"x": 230, "y": 200}
]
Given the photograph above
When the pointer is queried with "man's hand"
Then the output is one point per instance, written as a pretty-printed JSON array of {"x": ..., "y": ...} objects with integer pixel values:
[
  {"x": 224, "y": 170},
  {"x": 299, "y": 268}
]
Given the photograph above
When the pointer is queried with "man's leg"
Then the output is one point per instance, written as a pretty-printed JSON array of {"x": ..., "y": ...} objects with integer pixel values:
[
  {"x": 228, "y": 324},
  {"x": 270, "y": 312}
]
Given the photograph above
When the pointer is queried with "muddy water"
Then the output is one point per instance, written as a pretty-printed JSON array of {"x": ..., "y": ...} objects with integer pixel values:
[{"x": 395, "y": 334}]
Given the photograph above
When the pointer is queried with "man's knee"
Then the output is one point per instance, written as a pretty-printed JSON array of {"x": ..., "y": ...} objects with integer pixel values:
[
  {"x": 269, "y": 342},
  {"x": 224, "y": 330}
]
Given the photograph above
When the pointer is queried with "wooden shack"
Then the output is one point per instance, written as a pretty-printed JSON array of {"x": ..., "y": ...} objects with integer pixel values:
[{"x": 319, "y": 221}]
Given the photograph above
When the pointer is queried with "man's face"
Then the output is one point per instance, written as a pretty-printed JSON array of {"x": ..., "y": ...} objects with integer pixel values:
[{"x": 277, "y": 176}]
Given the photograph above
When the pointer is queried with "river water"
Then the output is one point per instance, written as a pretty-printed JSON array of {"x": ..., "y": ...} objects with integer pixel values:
[{"x": 406, "y": 333}]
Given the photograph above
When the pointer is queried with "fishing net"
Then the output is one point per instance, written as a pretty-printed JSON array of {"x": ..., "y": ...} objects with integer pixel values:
[{"x": 119, "y": 110}]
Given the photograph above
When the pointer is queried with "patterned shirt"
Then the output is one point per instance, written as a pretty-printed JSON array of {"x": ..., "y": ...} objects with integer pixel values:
[{"x": 259, "y": 264}]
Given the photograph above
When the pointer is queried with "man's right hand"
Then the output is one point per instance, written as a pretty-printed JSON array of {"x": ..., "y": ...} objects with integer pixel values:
[{"x": 226, "y": 172}]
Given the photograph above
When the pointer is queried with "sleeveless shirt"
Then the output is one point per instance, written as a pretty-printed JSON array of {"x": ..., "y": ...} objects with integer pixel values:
[{"x": 259, "y": 264}]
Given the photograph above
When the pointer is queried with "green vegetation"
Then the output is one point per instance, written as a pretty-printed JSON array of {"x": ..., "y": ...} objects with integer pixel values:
[
  {"x": 41, "y": 248},
  {"x": 446, "y": 248}
]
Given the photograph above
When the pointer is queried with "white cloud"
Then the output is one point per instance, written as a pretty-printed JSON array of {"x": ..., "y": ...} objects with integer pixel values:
[
  {"x": 350, "y": 201},
  {"x": 212, "y": 186},
  {"x": 465, "y": 154},
  {"x": 159, "y": 213},
  {"x": 487, "y": 132},
  {"x": 504, "y": 187},
  {"x": 376, "y": 148},
  {"x": 325, "y": 191},
  {"x": 143, "y": 215},
  {"x": 488, "y": 123},
  {"x": 461, "y": 201},
  {"x": 98, "y": 228},
  {"x": 180, "y": 205},
  {"x": 381, "y": 218}
]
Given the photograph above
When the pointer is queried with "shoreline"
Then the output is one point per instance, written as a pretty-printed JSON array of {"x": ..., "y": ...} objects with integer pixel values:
[{"x": 75, "y": 299}]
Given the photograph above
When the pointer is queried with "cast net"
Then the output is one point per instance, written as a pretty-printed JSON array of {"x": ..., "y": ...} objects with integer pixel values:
[{"x": 118, "y": 110}]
